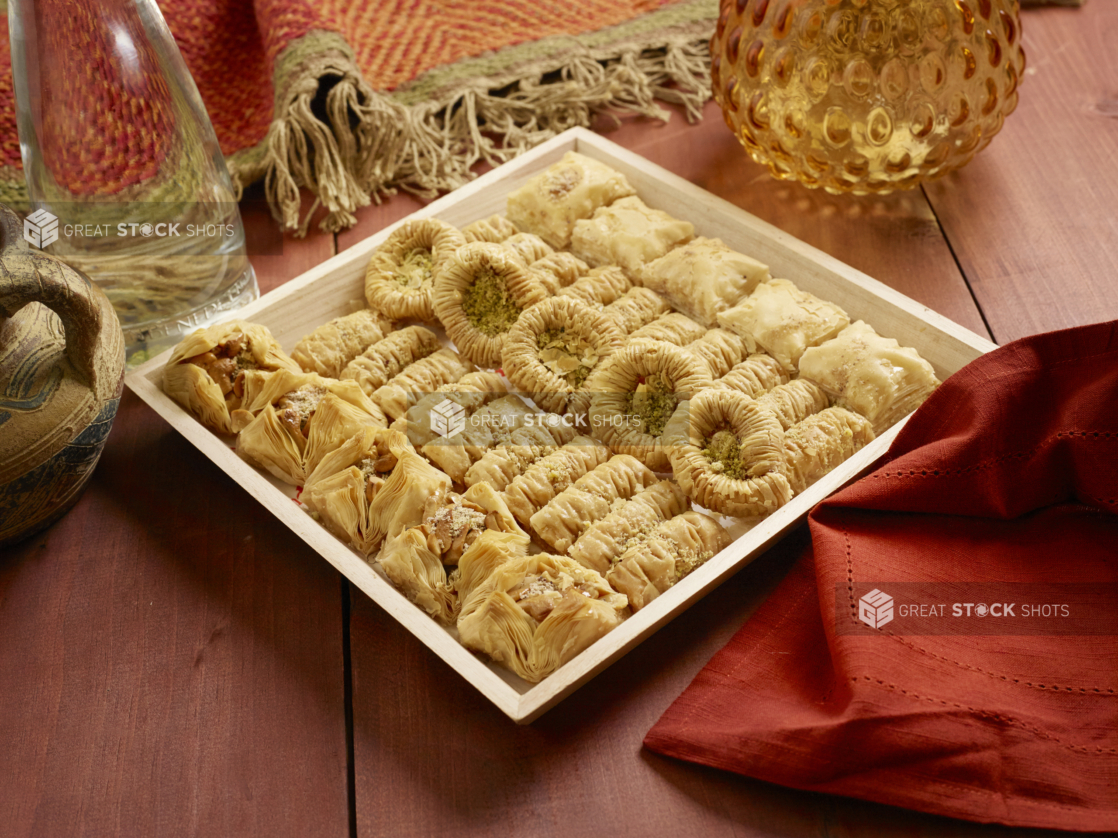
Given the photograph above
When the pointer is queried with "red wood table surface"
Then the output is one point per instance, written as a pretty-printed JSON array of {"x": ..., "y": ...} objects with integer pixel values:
[{"x": 175, "y": 663}]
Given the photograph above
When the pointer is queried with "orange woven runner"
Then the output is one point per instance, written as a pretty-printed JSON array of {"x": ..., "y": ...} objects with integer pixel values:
[{"x": 352, "y": 99}]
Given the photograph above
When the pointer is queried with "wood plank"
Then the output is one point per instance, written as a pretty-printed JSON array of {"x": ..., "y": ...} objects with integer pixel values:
[
  {"x": 1033, "y": 219},
  {"x": 173, "y": 662}
]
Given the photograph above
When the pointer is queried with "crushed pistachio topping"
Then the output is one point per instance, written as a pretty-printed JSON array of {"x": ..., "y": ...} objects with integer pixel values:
[
  {"x": 567, "y": 354},
  {"x": 488, "y": 304},
  {"x": 415, "y": 269},
  {"x": 653, "y": 402},
  {"x": 686, "y": 560},
  {"x": 724, "y": 452}
]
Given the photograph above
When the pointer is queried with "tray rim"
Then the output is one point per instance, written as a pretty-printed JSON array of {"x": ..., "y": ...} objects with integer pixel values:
[{"x": 523, "y": 706}]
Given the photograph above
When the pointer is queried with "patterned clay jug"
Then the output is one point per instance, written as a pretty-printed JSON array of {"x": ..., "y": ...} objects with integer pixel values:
[
  {"x": 866, "y": 96},
  {"x": 61, "y": 374}
]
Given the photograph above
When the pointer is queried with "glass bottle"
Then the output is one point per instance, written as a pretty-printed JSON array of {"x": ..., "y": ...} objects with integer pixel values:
[
  {"x": 126, "y": 178},
  {"x": 866, "y": 96}
]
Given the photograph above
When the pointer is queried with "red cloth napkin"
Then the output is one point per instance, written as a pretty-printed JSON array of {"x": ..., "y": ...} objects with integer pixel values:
[{"x": 1004, "y": 484}]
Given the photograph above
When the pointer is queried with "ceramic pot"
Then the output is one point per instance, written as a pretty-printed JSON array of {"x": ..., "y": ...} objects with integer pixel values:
[{"x": 61, "y": 374}]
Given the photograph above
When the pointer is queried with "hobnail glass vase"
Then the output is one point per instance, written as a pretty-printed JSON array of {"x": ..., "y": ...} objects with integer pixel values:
[
  {"x": 126, "y": 178},
  {"x": 866, "y": 96}
]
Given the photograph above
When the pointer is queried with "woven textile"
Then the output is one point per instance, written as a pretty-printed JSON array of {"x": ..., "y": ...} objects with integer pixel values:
[{"x": 353, "y": 99}]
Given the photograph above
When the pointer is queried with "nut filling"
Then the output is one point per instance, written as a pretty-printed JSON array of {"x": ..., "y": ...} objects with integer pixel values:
[
  {"x": 226, "y": 364},
  {"x": 488, "y": 304},
  {"x": 723, "y": 450},
  {"x": 416, "y": 269},
  {"x": 296, "y": 408},
  {"x": 653, "y": 402},
  {"x": 567, "y": 354}
]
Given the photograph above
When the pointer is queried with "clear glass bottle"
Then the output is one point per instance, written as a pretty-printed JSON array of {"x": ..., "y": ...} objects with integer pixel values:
[
  {"x": 866, "y": 96},
  {"x": 123, "y": 166}
]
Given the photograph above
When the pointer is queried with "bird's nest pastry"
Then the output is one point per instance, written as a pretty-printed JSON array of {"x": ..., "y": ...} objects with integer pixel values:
[
  {"x": 727, "y": 454},
  {"x": 403, "y": 271},
  {"x": 635, "y": 393},
  {"x": 554, "y": 348},
  {"x": 479, "y": 297}
]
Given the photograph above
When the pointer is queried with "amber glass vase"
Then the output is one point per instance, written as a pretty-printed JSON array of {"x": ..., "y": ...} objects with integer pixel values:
[{"x": 866, "y": 96}]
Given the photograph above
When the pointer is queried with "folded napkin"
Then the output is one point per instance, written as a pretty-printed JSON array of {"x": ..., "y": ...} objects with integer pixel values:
[{"x": 1001, "y": 491}]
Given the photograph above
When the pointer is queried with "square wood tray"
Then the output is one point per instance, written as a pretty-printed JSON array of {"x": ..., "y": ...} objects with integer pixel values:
[{"x": 336, "y": 287}]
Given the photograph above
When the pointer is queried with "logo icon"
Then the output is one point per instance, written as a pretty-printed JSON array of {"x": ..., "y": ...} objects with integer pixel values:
[
  {"x": 448, "y": 418},
  {"x": 875, "y": 609},
  {"x": 41, "y": 228}
]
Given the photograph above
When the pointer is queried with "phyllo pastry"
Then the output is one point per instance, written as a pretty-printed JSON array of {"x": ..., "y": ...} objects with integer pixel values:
[
  {"x": 534, "y": 614},
  {"x": 551, "y": 202},
  {"x": 205, "y": 373},
  {"x": 290, "y": 421},
  {"x": 819, "y": 443},
  {"x": 590, "y": 498},
  {"x": 722, "y": 350},
  {"x": 672, "y": 327},
  {"x": 402, "y": 499},
  {"x": 637, "y": 308},
  {"x": 703, "y": 278},
  {"x": 558, "y": 271},
  {"x": 330, "y": 347},
  {"x": 628, "y": 233},
  {"x": 401, "y": 275},
  {"x": 793, "y": 402},
  {"x": 542, "y": 481},
  {"x": 415, "y": 560},
  {"x": 464, "y": 442},
  {"x": 426, "y": 420},
  {"x": 635, "y": 393},
  {"x": 553, "y": 349},
  {"x": 728, "y": 454},
  {"x": 522, "y": 449},
  {"x": 600, "y": 286},
  {"x": 496, "y": 228},
  {"x": 380, "y": 363},
  {"x": 672, "y": 550},
  {"x": 784, "y": 321},
  {"x": 341, "y": 488},
  {"x": 870, "y": 374},
  {"x": 423, "y": 376},
  {"x": 628, "y": 524},
  {"x": 529, "y": 247},
  {"x": 755, "y": 375},
  {"x": 491, "y": 550},
  {"x": 479, "y": 297}
]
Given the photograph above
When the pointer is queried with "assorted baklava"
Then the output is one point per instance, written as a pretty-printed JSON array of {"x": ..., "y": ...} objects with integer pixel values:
[{"x": 611, "y": 395}]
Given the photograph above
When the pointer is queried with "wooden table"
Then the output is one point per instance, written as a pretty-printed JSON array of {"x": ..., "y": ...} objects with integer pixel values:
[{"x": 175, "y": 663}]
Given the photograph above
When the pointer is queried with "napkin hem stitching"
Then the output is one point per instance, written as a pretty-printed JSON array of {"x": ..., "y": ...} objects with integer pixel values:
[{"x": 984, "y": 714}]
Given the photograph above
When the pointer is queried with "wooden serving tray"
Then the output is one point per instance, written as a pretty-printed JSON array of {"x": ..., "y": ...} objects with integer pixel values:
[{"x": 336, "y": 287}]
